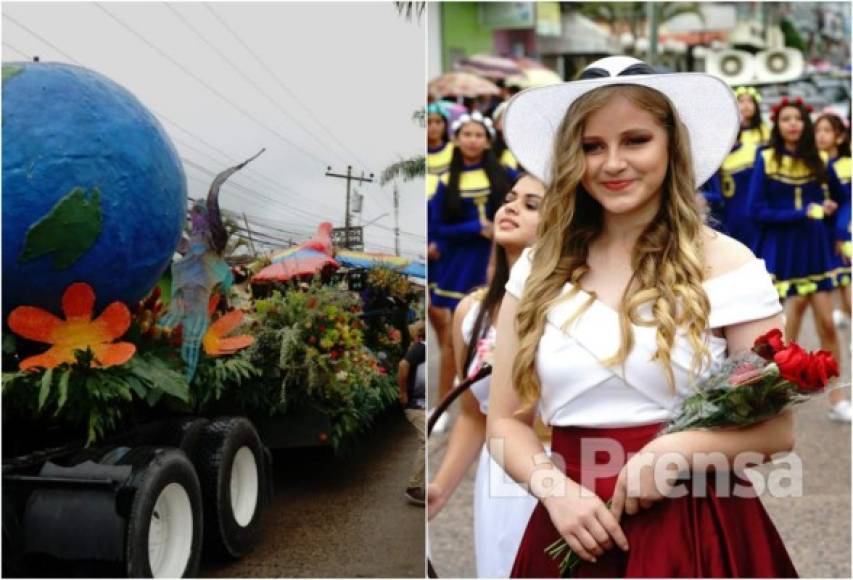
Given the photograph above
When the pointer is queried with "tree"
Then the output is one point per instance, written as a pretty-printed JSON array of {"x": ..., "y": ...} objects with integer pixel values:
[
  {"x": 411, "y": 9},
  {"x": 404, "y": 169}
]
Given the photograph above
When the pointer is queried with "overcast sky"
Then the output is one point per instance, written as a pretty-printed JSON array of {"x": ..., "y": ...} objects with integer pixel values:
[{"x": 352, "y": 70}]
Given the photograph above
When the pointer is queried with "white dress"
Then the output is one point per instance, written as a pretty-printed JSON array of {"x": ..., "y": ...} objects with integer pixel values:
[
  {"x": 578, "y": 390},
  {"x": 502, "y": 508}
]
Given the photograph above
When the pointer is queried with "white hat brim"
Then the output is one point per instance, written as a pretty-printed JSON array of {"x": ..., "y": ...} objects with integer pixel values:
[{"x": 705, "y": 104}]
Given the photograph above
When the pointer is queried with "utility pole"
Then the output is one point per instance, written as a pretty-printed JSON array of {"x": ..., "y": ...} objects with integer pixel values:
[
  {"x": 350, "y": 178},
  {"x": 396, "y": 220},
  {"x": 652, "y": 16}
]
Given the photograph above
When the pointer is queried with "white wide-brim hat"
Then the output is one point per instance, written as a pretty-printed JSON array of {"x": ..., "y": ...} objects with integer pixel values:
[{"x": 705, "y": 104}]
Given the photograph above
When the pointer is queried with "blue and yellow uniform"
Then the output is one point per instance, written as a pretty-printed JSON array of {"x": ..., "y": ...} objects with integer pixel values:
[
  {"x": 464, "y": 251},
  {"x": 438, "y": 163},
  {"x": 736, "y": 172},
  {"x": 841, "y": 229},
  {"x": 712, "y": 191},
  {"x": 757, "y": 137},
  {"x": 792, "y": 238},
  {"x": 508, "y": 160}
]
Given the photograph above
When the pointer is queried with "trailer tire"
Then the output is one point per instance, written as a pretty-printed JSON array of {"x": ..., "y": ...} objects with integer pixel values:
[
  {"x": 231, "y": 464},
  {"x": 187, "y": 434},
  {"x": 164, "y": 530}
]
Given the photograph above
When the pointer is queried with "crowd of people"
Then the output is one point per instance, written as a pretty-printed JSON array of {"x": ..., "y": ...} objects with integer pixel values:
[
  {"x": 798, "y": 162},
  {"x": 638, "y": 201}
]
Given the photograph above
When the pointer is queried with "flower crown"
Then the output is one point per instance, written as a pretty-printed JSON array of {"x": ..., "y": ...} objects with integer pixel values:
[
  {"x": 475, "y": 117},
  {"x": 786, "y": 102},
  {"x": 751, "y": 91}
]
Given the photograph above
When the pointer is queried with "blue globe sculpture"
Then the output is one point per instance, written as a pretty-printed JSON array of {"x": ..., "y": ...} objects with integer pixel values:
[{"x": 93, "y": 189}]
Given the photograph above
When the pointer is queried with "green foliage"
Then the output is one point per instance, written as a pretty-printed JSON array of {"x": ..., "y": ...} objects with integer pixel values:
[
  {"x": 93, "y": 399},
  {"x": 792, "y": 36},
  {"x": 310, "y": 349},
  {"x": 218, "y": 377},
  {"x": 404, "y": 169}
]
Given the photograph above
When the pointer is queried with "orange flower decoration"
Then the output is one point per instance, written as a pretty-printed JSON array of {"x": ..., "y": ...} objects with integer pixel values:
[
  {"x": 215, "y": 343},
  {"x": 77, "y": 332}
]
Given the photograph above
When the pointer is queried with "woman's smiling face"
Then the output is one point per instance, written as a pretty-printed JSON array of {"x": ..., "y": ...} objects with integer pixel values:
[{"x": 626, "y": 154}]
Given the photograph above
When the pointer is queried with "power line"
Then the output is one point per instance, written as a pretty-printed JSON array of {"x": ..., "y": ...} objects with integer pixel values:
[
  {"x": 245, "y": 77},
  {"x": 209, "y": 87},
  {"x": 21, "y": 52},
  {"x": 243, "y": 188},
  {"x": 160, "y": 115},
  {"x": 44, "y": 40},
  {"x": 282, "y": 85}
]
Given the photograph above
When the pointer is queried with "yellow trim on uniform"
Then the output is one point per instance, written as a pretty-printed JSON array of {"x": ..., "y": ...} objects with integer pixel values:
[
  {"x": 798, "y": 198},
  {"x": 439, "y": 162},
  {"x": 508, "y": 159},
  {"x": 808, "y": 284},
  {"x": 791, "y": 171},
  {"x": 757, "y": 136},
  {"x": 448, "y": 293},
  {"x": 480, "y": 202},
  {"x": 842, "y": 169},
  {"x": 472, "y": 184},
  {"x": 743, "y": 158}
]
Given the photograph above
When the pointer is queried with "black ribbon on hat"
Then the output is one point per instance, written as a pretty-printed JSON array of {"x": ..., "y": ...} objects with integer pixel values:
[{"x": 638, "y": 68}]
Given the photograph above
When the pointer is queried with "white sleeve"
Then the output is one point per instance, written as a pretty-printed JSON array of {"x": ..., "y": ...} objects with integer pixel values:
[
  {"x": 742, "y": 295},
  {"x": 519, "y": 273}
]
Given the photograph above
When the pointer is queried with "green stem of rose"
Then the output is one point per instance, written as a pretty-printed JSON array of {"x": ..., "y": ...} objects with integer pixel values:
[{"x": 570, "y": 560}]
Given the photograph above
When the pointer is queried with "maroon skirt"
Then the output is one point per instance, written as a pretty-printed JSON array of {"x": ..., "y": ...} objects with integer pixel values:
[{"x": 689, "y": 536}]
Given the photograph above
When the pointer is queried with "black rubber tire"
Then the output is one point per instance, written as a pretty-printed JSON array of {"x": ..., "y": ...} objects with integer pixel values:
[
  {"x": 186, "y": 434},
  {"x": 221, "y": 441},
  {"x": 165, "y": 467}
]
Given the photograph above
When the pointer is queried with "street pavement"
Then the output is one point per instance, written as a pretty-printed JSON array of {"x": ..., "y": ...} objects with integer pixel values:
[
  {"x": 814, "y": 527},
  {"x": 335, "y": 517}
]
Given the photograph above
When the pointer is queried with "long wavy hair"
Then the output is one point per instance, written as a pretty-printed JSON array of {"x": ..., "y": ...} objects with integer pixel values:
[
  {"x": 498, "y": 181},
  {"x": 667, "y": 259},
  {"x": 806, "y": 146}
]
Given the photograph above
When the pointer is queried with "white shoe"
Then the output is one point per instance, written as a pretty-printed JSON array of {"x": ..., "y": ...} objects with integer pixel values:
[
  {"x": 841, "y": 411},
  {"x": 840, "y": 319}
]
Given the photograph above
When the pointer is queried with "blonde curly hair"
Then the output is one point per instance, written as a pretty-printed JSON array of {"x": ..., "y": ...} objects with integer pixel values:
[{"x": 667, "y": 259}]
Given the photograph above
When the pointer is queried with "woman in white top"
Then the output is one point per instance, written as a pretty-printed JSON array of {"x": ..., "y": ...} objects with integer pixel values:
[
  {"x": 501, "y": 507},
  {"x": 625, "y": 299}
]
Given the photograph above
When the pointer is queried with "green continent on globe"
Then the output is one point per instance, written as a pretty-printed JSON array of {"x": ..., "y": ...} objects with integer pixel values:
[
  {"x": 69, "y": 229},
  {"x": 10, "y": 70}
]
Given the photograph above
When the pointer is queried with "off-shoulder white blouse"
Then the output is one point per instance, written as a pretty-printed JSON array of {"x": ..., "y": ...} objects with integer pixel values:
[{"x": 577, "y": 389}]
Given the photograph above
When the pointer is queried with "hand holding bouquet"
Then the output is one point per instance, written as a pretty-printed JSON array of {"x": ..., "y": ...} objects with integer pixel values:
[{"x": 745, "y": 389}]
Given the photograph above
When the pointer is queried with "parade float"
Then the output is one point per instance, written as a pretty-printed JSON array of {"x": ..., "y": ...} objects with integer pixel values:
[{"x": 136, "y": 396}]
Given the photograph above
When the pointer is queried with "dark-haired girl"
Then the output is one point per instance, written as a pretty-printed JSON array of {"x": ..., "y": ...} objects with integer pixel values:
[
  {"x": 833, "y": 138},
  {"x": 753, "y": 131},
  {"x": 500, "y": 515},
  {"x": 791, "y": 193},
  {"x": 462, "y": 209},
  {"x": 439, "y": 147}
]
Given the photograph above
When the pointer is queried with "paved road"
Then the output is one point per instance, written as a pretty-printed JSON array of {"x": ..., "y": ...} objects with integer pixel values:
[
  {"x": 341, "y": 517},
  {"x": 815, "y": 527}
]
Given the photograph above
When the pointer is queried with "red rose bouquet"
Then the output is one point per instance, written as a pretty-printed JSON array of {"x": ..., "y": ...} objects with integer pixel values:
[
  {"x": 755, "y": 386},
  {"x": 743, "y": 390}
]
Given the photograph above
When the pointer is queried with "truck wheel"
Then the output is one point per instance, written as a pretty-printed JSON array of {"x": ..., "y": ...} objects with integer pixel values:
[
  {"x": 186, "y": 434},
  {"x": 164, "y": 531},
  {"x": 231, "y": 465}
]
